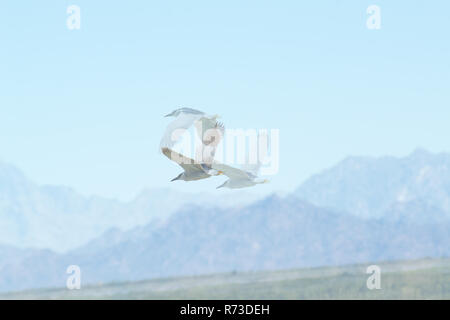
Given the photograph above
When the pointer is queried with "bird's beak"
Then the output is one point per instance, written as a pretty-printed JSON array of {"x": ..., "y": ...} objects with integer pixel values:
[
  {"x": 219, "y": 173},
  {"x": 266, "y": 181},
  {"x": 168, "y": 115},
  {"x": 176, "y": 178}
]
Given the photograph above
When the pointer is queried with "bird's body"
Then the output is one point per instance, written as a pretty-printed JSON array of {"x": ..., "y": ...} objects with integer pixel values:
[
  {"x": 237, "y": 178},
  {"x": 238, "y": 184}
]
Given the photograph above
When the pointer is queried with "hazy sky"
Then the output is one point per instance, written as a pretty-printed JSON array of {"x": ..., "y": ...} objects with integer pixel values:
[{"x": 84, "y": 107}]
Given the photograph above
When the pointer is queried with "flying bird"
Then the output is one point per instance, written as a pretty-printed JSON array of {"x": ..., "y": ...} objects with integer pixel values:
[
  {"x": 211, "y": 133},
  {"x": 239, "y": 178},
  {"x": 192, "y": 170}
]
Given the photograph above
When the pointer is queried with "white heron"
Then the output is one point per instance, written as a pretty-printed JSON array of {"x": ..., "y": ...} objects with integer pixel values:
[
  {"x": 192, "y": 170},
  {"x": 239, "y": 178}
]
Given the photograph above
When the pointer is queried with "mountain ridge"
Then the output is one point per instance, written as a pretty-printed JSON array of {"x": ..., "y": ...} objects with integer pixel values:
[
  {"x": 273, "y": 233},
  {"x": 368, "y": 186},
  {"x": 59, "y": 218}
]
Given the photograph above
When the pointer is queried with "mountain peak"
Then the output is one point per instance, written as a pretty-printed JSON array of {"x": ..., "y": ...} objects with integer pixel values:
[
  {"x": 366, "y": 187},
  {"x": 12, "y": 180}
]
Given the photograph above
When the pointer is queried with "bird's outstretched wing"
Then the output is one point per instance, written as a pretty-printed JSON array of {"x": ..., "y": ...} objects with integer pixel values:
[
  {"x": 190, "y": 111},
  {"x": 186, "y": 163},
  {"x": 209, "y": 130},
  {"x": 183, "y": 122}
]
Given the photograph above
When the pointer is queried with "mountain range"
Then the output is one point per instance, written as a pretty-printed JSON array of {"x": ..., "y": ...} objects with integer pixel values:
[
  {"x": 361, "y": 210},
  {"x": 370, "y": 187},
  {"x": 60, "y": 219}
]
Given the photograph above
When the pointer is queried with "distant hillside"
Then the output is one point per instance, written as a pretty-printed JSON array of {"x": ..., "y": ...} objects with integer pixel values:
[
  {"x": 58, "y": 218},
  {"x": 372, "y": 187},
  {"x": 415, "y": 188},
  {"x": 416, "y": 279},
  {"x": 274, "y": 233}
]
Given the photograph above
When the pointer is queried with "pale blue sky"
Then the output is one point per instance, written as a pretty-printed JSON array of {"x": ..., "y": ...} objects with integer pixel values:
[{"x": 84, "y": 108}]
